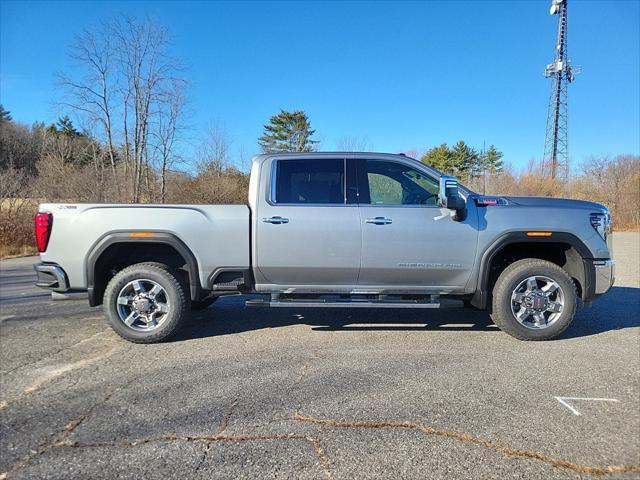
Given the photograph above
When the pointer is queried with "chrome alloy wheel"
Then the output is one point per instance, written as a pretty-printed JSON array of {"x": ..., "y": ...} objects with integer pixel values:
[
  {"x": 537, "y": 302},
  {"x": 143, "y": 305}
]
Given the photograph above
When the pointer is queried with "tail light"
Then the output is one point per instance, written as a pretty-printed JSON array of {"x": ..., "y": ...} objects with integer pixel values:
[{"x": 43, "y": 223}]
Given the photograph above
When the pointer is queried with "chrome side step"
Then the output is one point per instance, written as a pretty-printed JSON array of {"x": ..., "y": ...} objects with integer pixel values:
[
  {"x": 57, "y": 296},
  {"x": 343, "y": 303}
]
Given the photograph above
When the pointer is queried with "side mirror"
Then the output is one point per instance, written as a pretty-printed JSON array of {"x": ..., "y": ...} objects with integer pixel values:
[{"x": 450, "y": 198}]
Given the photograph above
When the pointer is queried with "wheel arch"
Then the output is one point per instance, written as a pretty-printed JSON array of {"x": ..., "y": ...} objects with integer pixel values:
[
  {"x": 147, "y": 246},
  {"x": 562, "y": 248}
]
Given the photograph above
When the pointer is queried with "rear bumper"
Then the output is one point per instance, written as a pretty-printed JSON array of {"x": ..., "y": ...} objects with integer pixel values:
[
  {"x": 51, "y": 276},
  {"x": 605, "y": 275}
]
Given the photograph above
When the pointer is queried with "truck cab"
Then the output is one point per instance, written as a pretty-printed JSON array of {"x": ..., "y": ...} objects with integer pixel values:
[{"x": 339, "y": 223}]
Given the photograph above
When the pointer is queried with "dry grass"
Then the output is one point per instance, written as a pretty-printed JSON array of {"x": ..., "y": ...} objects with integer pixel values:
[
  {"x": 16, "y": 230},
  {"x": 626, "y": 228},
  {"x": 14, "y": 251}
]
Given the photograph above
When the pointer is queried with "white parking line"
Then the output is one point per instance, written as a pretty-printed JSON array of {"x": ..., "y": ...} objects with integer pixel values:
[{"x": 562, "y": 400}]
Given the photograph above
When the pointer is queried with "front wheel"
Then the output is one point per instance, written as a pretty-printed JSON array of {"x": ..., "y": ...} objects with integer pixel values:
[
  {"x": 146, "y": 303},
  {"x": 534, "y": 300}
]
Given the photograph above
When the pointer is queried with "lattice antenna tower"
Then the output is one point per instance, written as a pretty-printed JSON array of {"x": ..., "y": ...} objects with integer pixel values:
[{"x": 555, "y": 161}]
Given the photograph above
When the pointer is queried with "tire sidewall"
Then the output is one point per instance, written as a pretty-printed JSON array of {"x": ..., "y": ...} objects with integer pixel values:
[
  {"x": 174, "y": 293},
  {"x": 502, "y": 301}
]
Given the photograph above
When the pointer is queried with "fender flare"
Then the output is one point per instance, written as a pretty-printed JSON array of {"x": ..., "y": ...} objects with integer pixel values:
[
  {"x": 481, "y": 296},
  {"x": 124, "y": 236}
]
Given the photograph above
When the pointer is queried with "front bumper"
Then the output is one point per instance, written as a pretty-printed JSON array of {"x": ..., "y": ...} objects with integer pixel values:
[
  {"x": 605, "y": 275},
  {"x": 51, "y": 276}
]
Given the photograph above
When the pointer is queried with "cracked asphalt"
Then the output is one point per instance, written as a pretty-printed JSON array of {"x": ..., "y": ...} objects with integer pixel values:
[{"x": 312, "y": 393}]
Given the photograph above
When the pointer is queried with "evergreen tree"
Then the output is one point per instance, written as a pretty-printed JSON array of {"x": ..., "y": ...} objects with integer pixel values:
[
  {"x": 491, "y": 160},
  {"x": 64, "y": 126},
  {"x": 287, "y": 132},
  {"x": 438, "y": 157},
  {"x": 459, "y": 160},
  {"x": 463, "y": 159},
  {"x": 5, "y": 115}
]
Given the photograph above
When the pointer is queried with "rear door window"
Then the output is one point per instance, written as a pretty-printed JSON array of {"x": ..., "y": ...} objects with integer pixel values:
[{"x": 310, "y": 181}]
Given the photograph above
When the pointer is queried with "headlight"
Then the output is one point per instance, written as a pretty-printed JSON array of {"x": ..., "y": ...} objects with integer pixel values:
[{"x": 602, "y": 224}]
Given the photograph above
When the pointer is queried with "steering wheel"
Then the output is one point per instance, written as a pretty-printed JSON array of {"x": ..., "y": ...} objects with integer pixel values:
[
  {"x": 425, "y": 201},
  {"x": 417, "y": 198}
]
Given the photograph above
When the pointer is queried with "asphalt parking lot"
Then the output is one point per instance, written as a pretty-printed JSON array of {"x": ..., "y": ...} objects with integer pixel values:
[{"x": 312, "y": 393}]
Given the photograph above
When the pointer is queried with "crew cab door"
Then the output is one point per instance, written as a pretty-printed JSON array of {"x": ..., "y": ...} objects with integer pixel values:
[
  {"x": 407, "y": 240},
  {"x": 306, "y": 232}
]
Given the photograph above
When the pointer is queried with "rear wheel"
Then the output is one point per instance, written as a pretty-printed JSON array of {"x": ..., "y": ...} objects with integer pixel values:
[
  {"x": 146, "y": 303},
  {"x": 534, "y": 300}
]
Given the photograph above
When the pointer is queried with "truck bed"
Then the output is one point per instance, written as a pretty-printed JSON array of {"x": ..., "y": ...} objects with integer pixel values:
[{"x": 218, "y": 235}]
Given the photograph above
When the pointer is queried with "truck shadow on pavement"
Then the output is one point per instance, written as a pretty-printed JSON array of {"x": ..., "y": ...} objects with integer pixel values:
[{"x": 617, "y": 310}]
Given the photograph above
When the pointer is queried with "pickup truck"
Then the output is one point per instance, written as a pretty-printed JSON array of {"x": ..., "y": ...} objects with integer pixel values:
[{"x": 332, "y": 230}]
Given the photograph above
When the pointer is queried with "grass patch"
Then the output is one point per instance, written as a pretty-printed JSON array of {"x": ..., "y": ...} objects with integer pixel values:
[{"x": 13, "y": 251}]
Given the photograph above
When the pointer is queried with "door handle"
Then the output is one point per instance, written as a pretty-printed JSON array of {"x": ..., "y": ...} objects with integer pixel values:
[
  {"x": 276, "y": 220},
  {"x": 379, "y": 220}
]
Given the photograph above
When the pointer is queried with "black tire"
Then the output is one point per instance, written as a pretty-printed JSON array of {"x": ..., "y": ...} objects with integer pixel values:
[
  {"x": 181, "y": 275},
  {"x": 202, "y": 304},
  {"x": 508, "y": 281},
  {"x": 176, "y": 296}
]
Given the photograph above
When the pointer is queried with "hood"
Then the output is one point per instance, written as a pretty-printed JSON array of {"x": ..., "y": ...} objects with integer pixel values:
[{"x": 556, "y": 203}]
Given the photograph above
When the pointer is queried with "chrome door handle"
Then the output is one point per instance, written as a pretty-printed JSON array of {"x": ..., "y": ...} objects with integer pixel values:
[
  {"x": 379, "y": 220},
  {"x": 276, "y": 220}
]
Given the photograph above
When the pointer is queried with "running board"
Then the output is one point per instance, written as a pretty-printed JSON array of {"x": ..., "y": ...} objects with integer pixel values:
[
  {"x": 69, "y": 296},
  {"x": 347, "y": 303}
]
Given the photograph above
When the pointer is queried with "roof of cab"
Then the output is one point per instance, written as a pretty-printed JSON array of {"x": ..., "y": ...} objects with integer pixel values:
[{"x": 319, "y": 155}]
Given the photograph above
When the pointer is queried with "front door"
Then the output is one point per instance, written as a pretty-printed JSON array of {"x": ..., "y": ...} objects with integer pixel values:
[
  {"x": 407, "y": 240},
  {"x": 307, "y": 232}
]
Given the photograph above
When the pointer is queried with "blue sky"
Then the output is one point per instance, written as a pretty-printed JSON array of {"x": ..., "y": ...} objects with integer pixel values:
[{"x": 406, "y": 75}]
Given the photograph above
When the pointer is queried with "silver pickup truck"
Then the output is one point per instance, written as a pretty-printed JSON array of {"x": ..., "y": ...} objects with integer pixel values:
[{"x": 332, "y": 230}]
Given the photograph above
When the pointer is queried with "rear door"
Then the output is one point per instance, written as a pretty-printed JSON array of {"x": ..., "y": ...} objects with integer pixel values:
[
  {"x": 306, "y": 232},
  {"x": 407, "y": 240}
]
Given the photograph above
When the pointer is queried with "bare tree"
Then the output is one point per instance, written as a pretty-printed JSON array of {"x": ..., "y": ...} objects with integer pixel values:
[
  {"x": 91, "y": 95},
  {"x": 167, "y": 131},
  {"x": 352, "y": 143},
  {"x": 214, "y": 154},
  {"x": 140, "y": 49},
  {"x": 614, "y": 181},
  {"x": 412, "y": 153},
  {"x": 17, "y": 146},
  {"x": 128, "y": 74},
  {"x": 244, "y": 161},
  {"x": 16, "y": 210}
]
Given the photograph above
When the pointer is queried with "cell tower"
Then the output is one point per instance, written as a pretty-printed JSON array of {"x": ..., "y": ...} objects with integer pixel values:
[{"x": 556, "y": 147}]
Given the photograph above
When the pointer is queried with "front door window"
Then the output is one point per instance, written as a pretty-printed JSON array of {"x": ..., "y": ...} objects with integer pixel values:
[{"x": 393, "y": 183}]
